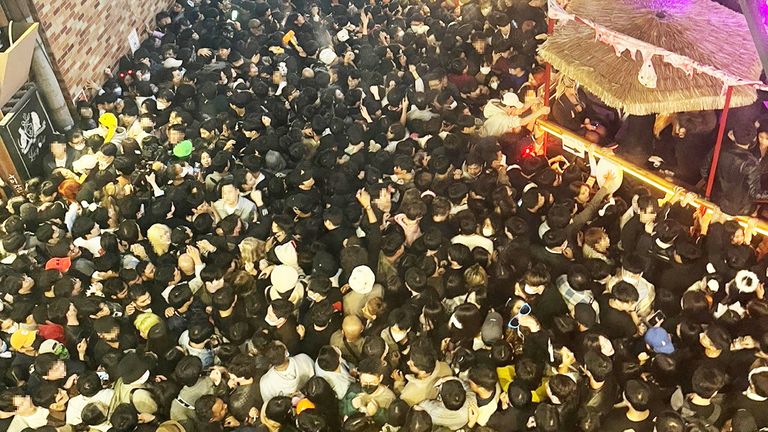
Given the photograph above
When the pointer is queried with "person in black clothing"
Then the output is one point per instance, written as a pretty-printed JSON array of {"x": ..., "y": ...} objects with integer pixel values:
[{"x": 737, "y": 179}]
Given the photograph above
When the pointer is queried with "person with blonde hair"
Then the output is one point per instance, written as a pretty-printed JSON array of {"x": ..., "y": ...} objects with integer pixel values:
[
  {"x": 159, "y": 237},
  {"x": 252, "y": 250}
]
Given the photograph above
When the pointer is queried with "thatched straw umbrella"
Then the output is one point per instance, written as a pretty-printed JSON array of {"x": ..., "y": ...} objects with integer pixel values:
[{"x": 698, "y": 29}]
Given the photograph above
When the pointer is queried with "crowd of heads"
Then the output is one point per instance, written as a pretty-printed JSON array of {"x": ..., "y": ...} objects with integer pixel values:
[{"x": 320, "y": 217}]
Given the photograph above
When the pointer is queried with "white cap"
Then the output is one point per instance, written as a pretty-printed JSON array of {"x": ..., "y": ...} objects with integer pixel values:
[
  {"x": 361, "y": 280},
  {"x": 510, "y": 99},
  {"x": 342, "y": 35},
  {"x": 286, "y": 253},
  {"x": 171, "y": 63},
  {"x": 327, "y": 56},
  {"x": 284, "y": 278}
]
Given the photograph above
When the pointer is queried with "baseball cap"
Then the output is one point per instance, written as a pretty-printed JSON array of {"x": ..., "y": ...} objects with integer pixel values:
[
  {"x": 182, "y": 149},
  {"x": 23, "y": 338},
  {"x": 60, "y": 264},
  {"x": 659, "y": 340}
]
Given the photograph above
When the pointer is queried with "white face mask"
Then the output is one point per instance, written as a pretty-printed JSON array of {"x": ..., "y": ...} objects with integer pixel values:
[
  {"x": 398, "y": 336},
  {"x": 487, "y": 232},
  {"x": 485, "y": 70},
  {"x": 532, "y": 290},
  {"x": 494, "y": 85}
]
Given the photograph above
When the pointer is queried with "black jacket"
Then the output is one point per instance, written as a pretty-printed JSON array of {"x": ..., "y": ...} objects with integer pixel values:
[{"x": 737, "y": 180}]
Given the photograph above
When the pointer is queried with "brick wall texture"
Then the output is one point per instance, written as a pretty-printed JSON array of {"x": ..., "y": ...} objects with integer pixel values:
[{"x": 86, "y": 36}]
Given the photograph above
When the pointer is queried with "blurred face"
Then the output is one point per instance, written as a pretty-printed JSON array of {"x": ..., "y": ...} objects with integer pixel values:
[
  {"x": 59, "y": 150},
  {"x": 57, "y": 372},
  {"x": 175, "y": 137},
  {"x": 23, "y": 403},
  {"x": 229, "y": 194},
  {"x": 738, "y": 237}
]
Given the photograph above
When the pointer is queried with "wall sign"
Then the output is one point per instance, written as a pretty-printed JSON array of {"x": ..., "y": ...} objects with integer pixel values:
[{"x": 25, "y": 131}]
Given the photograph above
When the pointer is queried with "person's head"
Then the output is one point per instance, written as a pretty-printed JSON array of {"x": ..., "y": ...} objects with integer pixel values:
[
  {"x": 371, "y": 373},
  {"x": 48, "y": 395},
  {"x": 744, "y": 134},
  {"x": 50, "y": 367},
  {"x": 210, "y": 409},
  {"x": 669, "y": 421},
  {"x": 598, "y": 366},
  {"x": 453, "y": 395},
  {"x": 482, "y": 377},
  {"x": 597, "y": 239},
  {"x": 637, "y": 394},
  {"x": 624, "y": 296},
  {"x": 276, "y": 354},
  {"x": 707, "y": 381},
  {"x": 715, "y": 338}
]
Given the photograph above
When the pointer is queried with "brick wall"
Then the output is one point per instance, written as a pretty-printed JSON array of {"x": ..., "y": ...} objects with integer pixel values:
[{"x": 86, "y": 36}]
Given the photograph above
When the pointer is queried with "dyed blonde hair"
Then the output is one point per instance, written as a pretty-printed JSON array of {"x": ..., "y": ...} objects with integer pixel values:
[{"x": 155, "y": 234}]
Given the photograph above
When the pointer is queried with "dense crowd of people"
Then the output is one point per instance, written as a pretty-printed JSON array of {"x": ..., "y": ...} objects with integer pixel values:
[{"x": 321, "y": 217}]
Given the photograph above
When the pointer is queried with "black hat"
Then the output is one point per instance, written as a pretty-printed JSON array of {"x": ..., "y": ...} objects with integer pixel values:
[{"x": 132, "y": 367}]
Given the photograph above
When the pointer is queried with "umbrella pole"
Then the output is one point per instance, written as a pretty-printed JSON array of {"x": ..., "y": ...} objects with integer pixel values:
[
  {"x": 548, "y": 82},
  {"x": 719, "y": 142}
]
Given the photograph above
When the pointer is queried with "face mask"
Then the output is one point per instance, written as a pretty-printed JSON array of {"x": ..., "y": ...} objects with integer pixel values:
[
  {"x": 487, "y": 232},
  {"x": 485, "y": 70},
  {"x": 532, "y": 290},
  {"x": 370, "y": 388},
  {"x": 495, "y": 85},
  {"x": 274, "y": 322},
  {"x": 398, "y": 336}
]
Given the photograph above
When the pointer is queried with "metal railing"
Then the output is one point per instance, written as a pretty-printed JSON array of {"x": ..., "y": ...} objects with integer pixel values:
[{"x": 641, "y": 174}]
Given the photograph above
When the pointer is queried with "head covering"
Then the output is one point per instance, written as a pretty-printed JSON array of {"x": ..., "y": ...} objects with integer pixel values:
[
  {"x": 284, "y": 278},
  {"x": 144, "y": 323},
  {"x": 109, "y": 121},
  {"x": 327, "y": 56},
  {"x": 746, "y": 281},
  {"x": 23, "y": 338},
  {"x": 84, "y": 162},
  {"x": 51, "y": 331},
  {"x": 304, "y": 404},
  {"x": 54, "y": 347},
  {"x": 361, "y": 280},
  {"x": 59, "y": 264},
  {"x": 659, "y": 340},
  {"x": 172, "y": 63},
  {"x": 510, "y": 99},
  {"x": 132, "y": 367},
  {"x": 492, "y": 331},
  {"x": 343, "y": 35},
  {"x": 182, "y": 149},
  {"x": 286, "y": 253}
]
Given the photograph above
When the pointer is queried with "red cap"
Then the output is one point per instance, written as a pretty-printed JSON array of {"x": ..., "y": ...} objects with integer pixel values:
[
  {"x": 51, "y": 331},
  {"x": 60, "y": 264}
]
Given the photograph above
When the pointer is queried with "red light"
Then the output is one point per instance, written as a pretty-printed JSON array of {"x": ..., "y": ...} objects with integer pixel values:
[{"x": 528, "y": 151}]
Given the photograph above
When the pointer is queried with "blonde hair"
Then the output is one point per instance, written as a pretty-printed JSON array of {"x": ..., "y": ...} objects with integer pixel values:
[
  {"x": 475, "y": 277},
  {"x": 251, "y": 249},
  {"x": 155, "y": 234}
]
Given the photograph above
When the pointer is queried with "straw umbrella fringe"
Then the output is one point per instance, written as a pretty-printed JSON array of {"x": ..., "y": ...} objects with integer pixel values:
[{"x": 699, "y": 29}]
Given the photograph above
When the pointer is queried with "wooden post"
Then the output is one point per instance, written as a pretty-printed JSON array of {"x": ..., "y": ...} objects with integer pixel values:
[{"x": 719, "y": 142}]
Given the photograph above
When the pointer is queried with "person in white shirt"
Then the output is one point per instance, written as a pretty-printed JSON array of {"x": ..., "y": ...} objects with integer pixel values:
[
  {"x": 287, "y": 375},
  {"x": 91, "y": 390},
  {"x": 504, "y": 115},
  {"x": 334, "y": 369}
]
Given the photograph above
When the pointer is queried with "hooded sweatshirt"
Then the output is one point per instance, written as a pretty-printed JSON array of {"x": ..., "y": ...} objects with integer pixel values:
[{"x": 285, "y": 383}]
